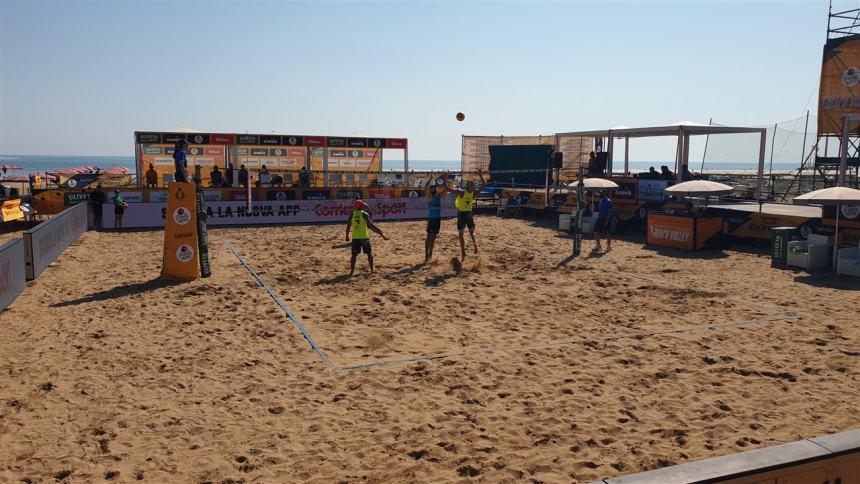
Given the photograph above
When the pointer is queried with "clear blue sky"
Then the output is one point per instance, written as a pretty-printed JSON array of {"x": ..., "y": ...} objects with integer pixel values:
[{"x": 77, "y": 78}]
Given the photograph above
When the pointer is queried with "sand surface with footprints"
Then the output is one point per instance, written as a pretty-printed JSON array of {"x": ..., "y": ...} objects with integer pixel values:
[{"x": 527, "y": 365}]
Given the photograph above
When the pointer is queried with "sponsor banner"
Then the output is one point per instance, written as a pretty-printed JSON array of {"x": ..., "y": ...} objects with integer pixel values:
[
  {"x": 291, "y": 140},
  {"x": 316, "y": 141},
  {"x": 47, "y": 240},
  {"x": 163, "y": 161},
  {"x": 259, "y": 152},
  {"x": 242, "y": 151},
  {"x": 148, "y": 137},
  {"x": 213, "y": 151},
  {"x": 212, "y": 195},
  {"x": 180, "y": 259},
  {"x": 11, "y": 210},
  {"x": 413, "y": 194},
  {"x": 332, "y": 142},
  {"x": 651, "y": 189},
  {"x": 172, "y": 138},
  {"x": 131, "y": 197},
  {"x": 276, "y": 212},
  {"x": 396, "y": 143},
  {"x": 349, "y": 194},
  {"x": 73, "y": 198},
  {"x": 152, "y": 150},
  {"x": 376, "y": 143},
  {"x": 558, "y": 199},
  {"x": 356, "y": 142},
  {"x": 159, "y": 196},
  {"x": 201, "y": 161},
  {"x": 13, "y": 275},
  {"x": 247, "y": 139},
  {"x": 316, "y": 194},
  {"x": 347, "y": 163},
  {"x": 222, "y": 139},
  {"x": 198, "y": 139},
  {"x": 849, "y": 216},
  {"x": 383, "y": 192},
  {"x": 626, "y": 189},
  {"x": 296, "y": 152},
  {"x": 281, "y": 195},
  {"x": 271, "y": 140},
  {"x": 839, "y": 89}
]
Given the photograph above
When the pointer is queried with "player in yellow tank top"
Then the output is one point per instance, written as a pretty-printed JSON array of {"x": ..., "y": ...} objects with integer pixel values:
[
  {"x": 357, "y": 225},
  {"x": 464, "y": 202}
]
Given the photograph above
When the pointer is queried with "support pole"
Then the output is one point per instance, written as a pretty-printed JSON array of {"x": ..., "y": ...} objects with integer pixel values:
[
  {"x": 803, "y": 154},
  {"x": 770, "y": 170},
  {"x": 705, "y": 151},
  {"x": 627, "y": 155},
  {"x": 685, "y": 160},
  {"x": 678, "y": 150},
  {"x": 843, "y": 154},
  {"x": 760, "y": 183},
  {"x": 405, "y": 165},
  {"x": 611, "y": 144}
]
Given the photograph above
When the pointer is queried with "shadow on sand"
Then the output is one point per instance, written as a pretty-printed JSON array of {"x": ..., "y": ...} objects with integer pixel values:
[
  {"x": 829, "y": 279},
  {"x": 120, "y": 291},
  {"x": 333, "y": 280}
]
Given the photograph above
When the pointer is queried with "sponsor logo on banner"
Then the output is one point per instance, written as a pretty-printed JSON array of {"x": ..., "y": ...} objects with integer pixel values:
[
  {"x": 195, "y": 150},
  {"x": 315, "y": 194},
  {"x": 247, "y": 139},
  {"x": 357, "y": 143},
  {"x": 157, "y": 196},
  {"x": 349, "y": 194},
  {"x": 242, "y": 151},
  {"x": 336, "y": 142},
  {"x": 151, "y": 150},
  {"x": 651, "y": 189},
  {"x": 356, "y": 154},
  {"x": 212, "y": 196},
  {"x": 198, "y": 139},
  {"x": 347, "y": 163},
  {"x": 11, "y": 210},
  {"x": 173, "y": 138},
  {"x": 148, "y": 137},
  {"x": 672, "y": 234},
  {"x": 259, "y": 152},
  {"x": 72, "y": 183},
  {"x": 337, "y": 153},
  {"x": 850, "y": 77},
  {"x": 294, "y": 140},
  {"x": 270, "y": 140},
  {"x": 318, "y": 141},
  {"x": 396, "y": 143},
  {"x": 185, "y": 253},
  {"x": 222, "y": 139},
  {"x": 252, "y": 162},
  {"x": 280, "y": 196},
  {"x": 377, "y": 143},
  {"x": 132, "y": 197},
  {"x": 213, "y": 151},
  {"x": 277, "y": 152},
  {"x": 169, "y": 150},
  {"x": 363, "y": 163},
  {"x": 163, "y": 160},
  {"x": 199, "y": 160},
  {"x": 296, "y": 152},
  {"x": 181, "y": 216}
]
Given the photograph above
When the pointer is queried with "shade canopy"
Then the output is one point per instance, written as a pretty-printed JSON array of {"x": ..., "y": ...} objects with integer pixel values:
[
  {"x": 699, "y": 187},
  {"x": 830, "y": 196},
  {"x": 596, "y": 184},
  {"x": 674, "y": 129}
]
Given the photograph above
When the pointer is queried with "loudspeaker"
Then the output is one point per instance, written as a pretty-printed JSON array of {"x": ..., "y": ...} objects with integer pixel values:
[{"x": 557, "y": 160}]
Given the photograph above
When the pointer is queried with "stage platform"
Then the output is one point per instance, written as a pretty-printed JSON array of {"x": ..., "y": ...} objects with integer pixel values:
[{"x": 772, "y": 208}]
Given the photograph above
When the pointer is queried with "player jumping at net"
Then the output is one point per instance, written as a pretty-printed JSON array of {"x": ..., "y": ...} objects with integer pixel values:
[
  {"x": 464, "y": 202},
  {"x": 358, "y": 224},
  {"x": 434, "y": 214}
]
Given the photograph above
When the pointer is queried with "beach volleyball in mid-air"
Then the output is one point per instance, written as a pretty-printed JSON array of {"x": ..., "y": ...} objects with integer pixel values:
[{"x": 461, "y": 116}]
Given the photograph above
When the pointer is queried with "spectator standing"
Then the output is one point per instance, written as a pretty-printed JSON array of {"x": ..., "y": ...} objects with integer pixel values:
[
  {"x": 151, "y": 177},
  {"x": 603, "y": 223},
  {"x": 243, "y": 176},
  {"x": 180, "y": 163},
  {"x": 215, "y": 178},
  {"x": 97, "y": 199},
  {"x": 119, "y": 206}
]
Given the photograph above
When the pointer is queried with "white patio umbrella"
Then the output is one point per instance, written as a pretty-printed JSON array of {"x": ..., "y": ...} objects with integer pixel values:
[
  {"x": 596, "y": 184},
  {"x": 699, "y": 187},
  {"x": 831, "y": 196}
]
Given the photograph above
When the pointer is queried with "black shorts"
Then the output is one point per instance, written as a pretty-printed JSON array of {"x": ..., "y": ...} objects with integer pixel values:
[
  {"x": 603, "y": 225},
  {"x": 465, "y": 219},
  {"x": 359, "y": 245},
  {"x": 118, "y": 210},
  {"x": 434, "y": 225}
]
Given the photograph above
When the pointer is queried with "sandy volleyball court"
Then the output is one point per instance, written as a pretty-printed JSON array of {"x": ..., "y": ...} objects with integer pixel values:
[{"x": 549, "y": 369}]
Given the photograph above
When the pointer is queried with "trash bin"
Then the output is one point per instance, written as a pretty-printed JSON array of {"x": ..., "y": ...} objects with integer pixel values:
[{"x": 779, "y": 239}]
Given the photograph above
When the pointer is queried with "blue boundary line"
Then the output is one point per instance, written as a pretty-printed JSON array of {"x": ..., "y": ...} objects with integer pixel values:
[{"x": 281, "y": 304}]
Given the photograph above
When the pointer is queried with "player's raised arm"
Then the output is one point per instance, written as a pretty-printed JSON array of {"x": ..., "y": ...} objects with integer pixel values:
[{"x": 348, "y": 226}]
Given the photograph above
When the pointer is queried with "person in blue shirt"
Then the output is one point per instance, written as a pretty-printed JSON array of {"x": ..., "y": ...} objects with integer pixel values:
[
  {"x": 180, "y": 163},
  {"x": 435, "y": 190},
  {"x": 604, "y": 211}
]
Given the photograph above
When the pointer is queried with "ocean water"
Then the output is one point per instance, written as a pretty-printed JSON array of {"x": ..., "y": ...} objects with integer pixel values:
[{"x": 37, "y": 163}]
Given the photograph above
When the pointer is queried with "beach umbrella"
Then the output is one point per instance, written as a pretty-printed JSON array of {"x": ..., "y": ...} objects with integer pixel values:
[
  {"x": 838, "y": 196},
  {"x": 699, "y": 187},
  {"x": 117, "y": 170},
  {"x": 597, "y": 184}
]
